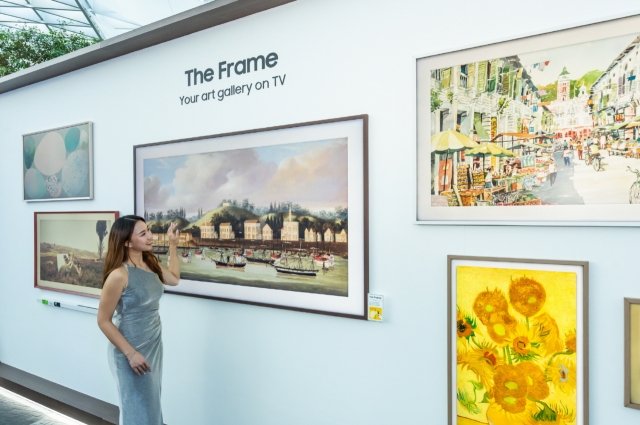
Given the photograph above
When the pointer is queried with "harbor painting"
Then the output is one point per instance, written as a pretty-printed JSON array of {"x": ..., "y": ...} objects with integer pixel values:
[
  {"x": 273, "y": 217},
  {"x": 553, "y": 127},
  {"x": 70, "y": 251}
]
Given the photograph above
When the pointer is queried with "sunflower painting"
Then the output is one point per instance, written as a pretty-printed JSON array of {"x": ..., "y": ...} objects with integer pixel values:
[{"x": 516, "y": 351}]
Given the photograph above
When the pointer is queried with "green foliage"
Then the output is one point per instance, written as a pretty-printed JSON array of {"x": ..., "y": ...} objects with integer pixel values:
[
  {"x": 195, "y": 231},
  {"x": 552, "y": 92},
  {"x": 450, "y": 96},
  {"x": 546, "y": 414},
  {"x": 435, "y": 101},
  {"x": 552, "y": 89},
  {"x": 236, "y": 221},
  {"x": 24, "y": 47},
  {"x": 518, "y": 358},
  {"x": 588, "y": 79},
  {"x": 465, "y": 399},
  {"x": 503, "y": 103},
  {"x": 471, "y": 321}
]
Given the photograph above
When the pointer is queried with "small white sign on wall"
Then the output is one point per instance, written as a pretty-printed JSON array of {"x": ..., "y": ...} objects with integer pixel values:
[{"x": 375, "y": 307}]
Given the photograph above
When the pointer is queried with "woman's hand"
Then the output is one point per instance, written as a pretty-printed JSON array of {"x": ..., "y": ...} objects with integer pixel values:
[
  {"x": 138, "y": 363},
  {"x": 173, "y": 234}
]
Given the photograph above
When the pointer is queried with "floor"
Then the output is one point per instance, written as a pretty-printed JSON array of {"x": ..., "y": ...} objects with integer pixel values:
[{"x": 15, "y": 411}]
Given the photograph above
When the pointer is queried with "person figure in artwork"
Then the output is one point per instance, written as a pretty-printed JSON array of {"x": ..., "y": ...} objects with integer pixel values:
[
  {"x": 566, "y": 156},
  {"x": 70, "y": 264},
  {"x": 579, "y": 148},
  {"x": 488, "y": 178},
  {"x": 594, "y": 151},
  {"x": 476, "y": 167},
  {"x": 133, "y": 282},
  {"x": 553, "y": 172}
]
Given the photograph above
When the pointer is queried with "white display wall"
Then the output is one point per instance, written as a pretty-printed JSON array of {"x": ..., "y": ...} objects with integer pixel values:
[{"x": 227, "y": 363}]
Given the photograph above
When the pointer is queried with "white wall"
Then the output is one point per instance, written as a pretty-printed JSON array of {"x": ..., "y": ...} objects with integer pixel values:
[{"x": 233, "y": 364}]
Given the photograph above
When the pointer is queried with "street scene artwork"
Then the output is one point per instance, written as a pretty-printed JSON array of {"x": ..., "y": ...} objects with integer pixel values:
[
  {"x": 273, "y": 217},
  {"x": 71, "y": 249},
  {"x": 57, "y": 164},
  {"x": 515, "y": 351},
  {"x": 549, "y": 127}
]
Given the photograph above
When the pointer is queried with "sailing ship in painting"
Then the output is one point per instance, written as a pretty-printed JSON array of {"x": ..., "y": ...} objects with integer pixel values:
[
  {"x": 232, "y": 260},
  {"x": 275, "y": 244}
]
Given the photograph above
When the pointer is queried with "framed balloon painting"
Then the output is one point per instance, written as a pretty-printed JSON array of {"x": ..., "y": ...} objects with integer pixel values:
[{"x": 58, "y": 164}]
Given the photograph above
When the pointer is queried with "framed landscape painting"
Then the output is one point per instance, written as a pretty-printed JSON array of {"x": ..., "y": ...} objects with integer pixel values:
[
  {"x": 69, "y": 250},
  {"x": 517, "y": 341},
  {"x": 632, "y": 353},
  {"x": 274, "y": 217},
  {"x": 58, "y": 164},
  {"x": 548, "y": 124}
]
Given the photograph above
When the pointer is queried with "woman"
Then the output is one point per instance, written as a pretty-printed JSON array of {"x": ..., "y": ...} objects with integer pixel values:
[{"x": 132, "y": 285}]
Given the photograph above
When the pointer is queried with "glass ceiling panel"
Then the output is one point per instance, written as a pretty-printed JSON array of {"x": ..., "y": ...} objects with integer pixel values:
[{"x": 99, "y": 19}]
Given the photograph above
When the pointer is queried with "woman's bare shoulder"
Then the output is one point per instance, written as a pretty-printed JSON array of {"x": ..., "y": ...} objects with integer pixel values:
[{"x": 118, "y": 276}]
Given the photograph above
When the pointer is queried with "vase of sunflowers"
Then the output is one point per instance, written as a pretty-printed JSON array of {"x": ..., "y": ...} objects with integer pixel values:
[{"x": 516, "y": 348}]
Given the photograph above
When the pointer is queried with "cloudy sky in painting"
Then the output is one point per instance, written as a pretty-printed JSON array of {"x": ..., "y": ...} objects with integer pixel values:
[{"x": 312, "y": 174}]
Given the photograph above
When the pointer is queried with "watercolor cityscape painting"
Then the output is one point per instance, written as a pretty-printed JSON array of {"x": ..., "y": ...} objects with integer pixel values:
[
  {"x": 272, "y": 217},
  {"x": 516, "y": 350},
  {"x": 552, "y": 127}
]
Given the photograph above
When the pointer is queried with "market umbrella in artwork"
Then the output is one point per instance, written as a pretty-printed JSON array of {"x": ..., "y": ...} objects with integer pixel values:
[
  {"x": 448, "y": 142},
  {"x": 490, "y": 149}
]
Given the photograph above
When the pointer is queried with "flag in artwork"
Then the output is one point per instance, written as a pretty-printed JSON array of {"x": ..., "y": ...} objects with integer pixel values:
[{"x": 540, "y": 65}]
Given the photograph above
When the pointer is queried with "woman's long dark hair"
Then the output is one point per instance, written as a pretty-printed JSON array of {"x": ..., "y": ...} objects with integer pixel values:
[{"x": 118, "y": 252}]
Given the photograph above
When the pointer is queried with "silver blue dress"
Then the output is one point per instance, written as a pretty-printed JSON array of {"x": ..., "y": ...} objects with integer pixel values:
[{"x": 138, "y": 320}]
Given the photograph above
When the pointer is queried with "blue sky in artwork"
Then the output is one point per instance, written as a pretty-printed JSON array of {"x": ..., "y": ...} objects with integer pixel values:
[
  {"x": 165, "y": 167},
  {"x": 314, "y": 174}
]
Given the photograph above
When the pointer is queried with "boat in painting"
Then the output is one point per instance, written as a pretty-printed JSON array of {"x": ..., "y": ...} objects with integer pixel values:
[
  {"x": 233, "y": 260},
  {"x": 295, "y": 265}
]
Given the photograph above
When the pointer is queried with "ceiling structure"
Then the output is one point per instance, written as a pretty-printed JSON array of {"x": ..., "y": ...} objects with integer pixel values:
[{"x": 100, "y": 19}]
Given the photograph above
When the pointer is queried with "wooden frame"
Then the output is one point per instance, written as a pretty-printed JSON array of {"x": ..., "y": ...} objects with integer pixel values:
[
  {"x": 57, "y": 246},
  {"x": 631, "y": 344},
  {"x": 63, "y": 171},
  {"x": 353, "y": 131},
  {"x": 470, "y": 87},
  {"x": 508, "y": 265}
]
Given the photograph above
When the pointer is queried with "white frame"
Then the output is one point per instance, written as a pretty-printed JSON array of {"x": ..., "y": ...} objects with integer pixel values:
[
  {"x": 548, "y": 215},
  {"x": 353, "y": 128},
  {"x": 90, "y": 125}
]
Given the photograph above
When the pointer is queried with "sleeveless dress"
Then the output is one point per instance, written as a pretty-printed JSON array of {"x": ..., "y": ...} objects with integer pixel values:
[{"x": 138, "y": 320}]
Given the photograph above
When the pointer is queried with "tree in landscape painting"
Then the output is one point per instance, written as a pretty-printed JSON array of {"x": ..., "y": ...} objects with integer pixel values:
[{"x": 101, "y": 230}]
